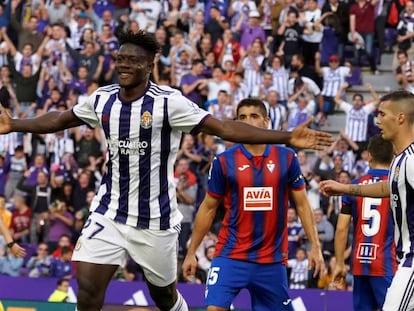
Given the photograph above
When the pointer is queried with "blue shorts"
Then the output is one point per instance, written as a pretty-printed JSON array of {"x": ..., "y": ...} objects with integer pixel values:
[
  {"x": 266, "y": 283},
  {"x": 369, "y": 292}
]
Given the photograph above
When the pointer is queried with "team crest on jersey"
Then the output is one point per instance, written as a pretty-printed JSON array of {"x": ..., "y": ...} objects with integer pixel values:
[
  {"x": 270, "y": 166},
  {"x": 78, "y": 245},
  {"x": 146, "y": 120},
  {"x": 257, "y": 198}
]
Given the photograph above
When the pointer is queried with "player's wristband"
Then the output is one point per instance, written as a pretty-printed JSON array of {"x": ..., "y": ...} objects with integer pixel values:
[{"x": 10, "y": 245}]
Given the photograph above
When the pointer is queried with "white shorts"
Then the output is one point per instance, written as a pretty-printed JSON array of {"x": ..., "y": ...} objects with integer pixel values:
[
  {"x": 104, "y": 241},
  {"x": 400, "y": 295}
]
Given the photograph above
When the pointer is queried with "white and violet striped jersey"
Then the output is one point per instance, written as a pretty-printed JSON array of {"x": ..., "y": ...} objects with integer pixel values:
[
  {"x": 143, "y": 138},
  {"x": 401, "y": 182}
]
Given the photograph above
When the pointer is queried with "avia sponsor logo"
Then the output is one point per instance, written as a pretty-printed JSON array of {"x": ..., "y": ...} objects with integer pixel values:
[{"x": 257, "y": 198}]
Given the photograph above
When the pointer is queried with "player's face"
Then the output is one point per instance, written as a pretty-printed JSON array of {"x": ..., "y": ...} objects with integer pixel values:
[
  {"x": 252, "y": 115},
  {"x": 133, "y": 66},
  {"x": 387, "y": 120}
]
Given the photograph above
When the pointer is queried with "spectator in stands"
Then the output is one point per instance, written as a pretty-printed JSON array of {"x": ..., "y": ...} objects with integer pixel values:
[
  {"x": 88, "y": 58},
  {"x": 238, "y": 13},
  {"x": 404, "y": 73},
  {"x": 89, "y": 153},
  {"x": 40, "y": 200},
  {"x": 217, "y": 84},
  {"x": 60, "y": 223},
  {"x": 280, "y": 78},
  {"x": 226, "y": 48},
  {"x": 205, "y": 262},
  {"x": 291, "y": 31},
  {"x": 356, "y": 124},
  {"x": 146, "y": 13},
  {"x": 298, "y": 278},
  {"x": 278, "y": 113},
  {"x": 57, "y": 12},
  {"x": 298, "y": 64},
  {"x": 251, "y": 66},
  {"x": 180, "y": 67},
  {"x": 39, "y": 165},
  {"x": 81, "y": 216},
  {"x": 333, "y": 77},
  {"x": 18, "y": 166},
  {"x": 62, "y": 267},
  {"x": 299, "y": 114},
  {"x": 189, "y": 151},
  {"x": 312, "y": 40},
  {"x": 186, "y": 190},
  {"x": 331, "y": 44},
  {"x": 21, "y": 218},
  {"x": 64, "y": 241},
  {"x": 39, "y": 264},
  {"x": 325, "y": 233},
  {"x": 193, "y": 84},
  {"x": 215, "y": 24},
  {"x": 339, "y": 21},
  {"x": 60, "y": 294},
  {"x": 9, "y": 264},
  {"x": 222, "y": 108},
  {"x": 251, "y": 30},
  {"x": 81, "y": 187},
  {"x": 405, "y": 32},
  {"x": 301, "y": 86},
  {"x": 293, "y": 228},
  {"x": 27, "y": 31},
  {"x": 362, "y": 22},
  {"x": 335, "y": 202}
]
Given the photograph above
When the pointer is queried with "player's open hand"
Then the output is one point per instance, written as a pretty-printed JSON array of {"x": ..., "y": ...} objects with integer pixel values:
[
  {"x": 331, "y": 187},
  {"x": 17, "y": 250},
  {"x": 316, "y": 261},
  {"x": 189, "y": 266},
  {"x": 5, "y": 121},
  {"x": 304, "y": 137},
  {"x": 339, "y": 277}
]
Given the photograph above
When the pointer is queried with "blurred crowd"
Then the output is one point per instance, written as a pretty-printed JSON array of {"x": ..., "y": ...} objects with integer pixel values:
[{"x": 302, "y": 58}]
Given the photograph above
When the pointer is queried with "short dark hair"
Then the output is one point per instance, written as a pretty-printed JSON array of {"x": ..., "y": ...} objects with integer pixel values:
[
  {"x": 381, "y": 150},
  {"x": 142, "y": 39},
  {"x": 247, "y": 102}
]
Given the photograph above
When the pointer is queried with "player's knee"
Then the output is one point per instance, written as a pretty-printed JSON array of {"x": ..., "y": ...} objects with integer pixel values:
[
  {"x": 89, "y": 296},
  {"x": 164, "y": 298}
]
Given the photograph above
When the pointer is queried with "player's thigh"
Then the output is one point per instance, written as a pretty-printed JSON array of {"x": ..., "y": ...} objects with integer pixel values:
[
  {"x": 93, "y": 279},
  {"x": 400, "y": 295},
  {"x": 364, "y": 295},
  {"x": 156, "y": 252},
  {"x": 269, "y": 288},
  {"x": 102, "y": 241},
  {"x": 226, "y": 277}
]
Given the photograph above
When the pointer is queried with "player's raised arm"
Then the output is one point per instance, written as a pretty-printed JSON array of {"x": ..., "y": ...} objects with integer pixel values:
[
  {"x": 377, "y": 190},
  {"x": 49, "y": 122},
  {"x": 300, "y": 137}
]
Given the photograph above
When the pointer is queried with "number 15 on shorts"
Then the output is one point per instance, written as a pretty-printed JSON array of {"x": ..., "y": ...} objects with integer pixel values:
[{"x": 213, "y": 275}]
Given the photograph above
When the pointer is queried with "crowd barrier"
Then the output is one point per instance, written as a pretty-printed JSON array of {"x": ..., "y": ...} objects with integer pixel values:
[{"x": 136, "y": 294}]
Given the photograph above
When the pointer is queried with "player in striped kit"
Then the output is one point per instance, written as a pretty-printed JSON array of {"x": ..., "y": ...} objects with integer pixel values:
[
  {"x": 373, "y": 256},
  {"x": 135, "y": 210},
  {"x": 396, "y": 121},
  {"x": 254, "y": 182}
]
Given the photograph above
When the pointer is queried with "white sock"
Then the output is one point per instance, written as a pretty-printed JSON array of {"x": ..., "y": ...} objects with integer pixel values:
[{"x": 180, "y": 304}]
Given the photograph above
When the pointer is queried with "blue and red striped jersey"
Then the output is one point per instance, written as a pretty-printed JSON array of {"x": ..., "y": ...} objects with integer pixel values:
[
  {"x": 255, "y": 192},
  {"x": 373, "y": 243}
]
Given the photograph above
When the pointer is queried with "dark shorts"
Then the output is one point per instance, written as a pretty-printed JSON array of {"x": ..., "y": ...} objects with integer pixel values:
[{"x": 266, "y": 283}]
